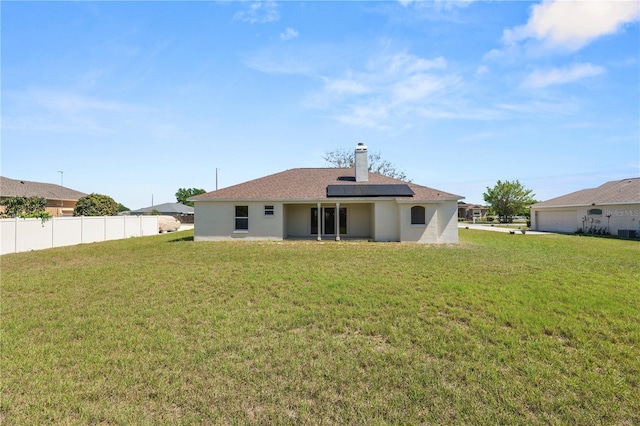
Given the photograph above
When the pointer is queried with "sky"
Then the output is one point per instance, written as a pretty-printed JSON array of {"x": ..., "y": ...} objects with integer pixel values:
[{"x": 137, "y": 99}]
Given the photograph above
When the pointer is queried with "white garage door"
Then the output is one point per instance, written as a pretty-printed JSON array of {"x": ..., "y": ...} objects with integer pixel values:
[{"x": 557, "y": 221}]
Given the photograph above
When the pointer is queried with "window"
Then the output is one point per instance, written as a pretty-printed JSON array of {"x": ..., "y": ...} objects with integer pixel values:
[
  {"x": 269, "y": 211},
  {"x": 595, "y": 212},
  {"x": 242, "y": 218},
  {"x": 418, "y": 215}
]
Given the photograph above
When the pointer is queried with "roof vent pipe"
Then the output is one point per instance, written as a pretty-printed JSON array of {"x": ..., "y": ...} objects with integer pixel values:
[{"x": 362, "y": 163}]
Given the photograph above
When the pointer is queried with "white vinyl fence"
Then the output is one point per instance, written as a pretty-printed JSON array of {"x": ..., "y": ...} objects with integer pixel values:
[{"x": 18, "y": 234}]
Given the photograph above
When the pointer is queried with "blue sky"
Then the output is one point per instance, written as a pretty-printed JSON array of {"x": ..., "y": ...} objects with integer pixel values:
[{"x": 138, "y": 99}]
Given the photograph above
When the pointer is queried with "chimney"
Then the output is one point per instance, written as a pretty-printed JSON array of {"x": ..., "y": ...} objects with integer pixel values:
[{"x": 362, "y": 163}]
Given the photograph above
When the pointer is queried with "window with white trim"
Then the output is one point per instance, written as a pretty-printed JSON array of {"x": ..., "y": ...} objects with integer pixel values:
[
  {"x": 242, "y": 218},
  {"x": 269, "y": 211}
]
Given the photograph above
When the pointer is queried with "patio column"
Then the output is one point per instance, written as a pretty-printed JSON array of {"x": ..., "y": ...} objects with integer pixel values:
[
  {"x": 319, "y": 222},
  {"x": 337, "y": 221}
]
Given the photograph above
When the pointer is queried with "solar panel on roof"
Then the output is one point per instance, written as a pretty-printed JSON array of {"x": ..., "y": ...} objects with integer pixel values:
[{"x": 370, "y": 190}]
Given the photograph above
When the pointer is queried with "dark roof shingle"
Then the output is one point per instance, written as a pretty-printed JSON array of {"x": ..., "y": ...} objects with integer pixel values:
[
  {"x": 173, "y": 208},
  {"x": 311, "y": 184},
  {"x": 614, "y": 192},
  {"x": 25, "y": 188}
]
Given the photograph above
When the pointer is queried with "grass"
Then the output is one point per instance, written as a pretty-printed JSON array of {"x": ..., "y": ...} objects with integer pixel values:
[{"x": 499, "y": 329}]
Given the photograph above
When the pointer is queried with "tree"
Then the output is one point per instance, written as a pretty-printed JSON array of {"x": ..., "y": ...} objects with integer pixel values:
[
  {"x": 343, "y": 158},
  {"x": 123, "y": 208},
  {"x": 25, "y": 207},
  {"x": 96, "y": 205},
  {"x": 508, "y": 199},
  {"x": 184, "y": 194}
]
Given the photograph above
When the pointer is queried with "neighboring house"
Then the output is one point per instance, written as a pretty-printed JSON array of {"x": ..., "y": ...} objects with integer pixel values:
[
  {"x": 181, "y": 212},
  {"x": 472, "y": 211},
  {"x": 611, "y": 207},
  {"x": 328, "y": 203},
  {"x": 60, "y": 200}
]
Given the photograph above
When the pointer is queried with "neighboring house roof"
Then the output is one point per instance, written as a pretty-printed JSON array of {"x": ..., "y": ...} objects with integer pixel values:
[
  {"x": 170, "y": 208},
  {"x": 25, "y": 188},
  {"x": 311, "y": 184},
  {"x": 623, "y": 191}
]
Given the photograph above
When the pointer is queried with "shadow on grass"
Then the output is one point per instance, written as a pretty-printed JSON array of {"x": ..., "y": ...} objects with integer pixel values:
[{"x": 177, "y": 240}]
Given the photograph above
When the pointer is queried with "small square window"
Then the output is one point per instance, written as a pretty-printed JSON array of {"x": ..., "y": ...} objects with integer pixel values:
[{"x": 269, "y": 211}]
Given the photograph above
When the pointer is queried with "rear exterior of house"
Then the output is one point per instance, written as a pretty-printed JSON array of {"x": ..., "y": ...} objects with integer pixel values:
[
  {"x": 327, "y": 203},
  {"x": 612, "y": 208}
]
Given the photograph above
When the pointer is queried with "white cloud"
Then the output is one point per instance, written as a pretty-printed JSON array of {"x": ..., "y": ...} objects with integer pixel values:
[
  {"x": 482, "y": 70},
  {"x": 346, "y": 87},
  {"x": 543, "y": 78},
  {"x": 439, "y": 4},
  {"x": 259, "y": 12},
  {"x": 288, "y": 34},
  {"x": 365, "y": 116},
  {"x": 573, "y": 24},
  {"x": 397, "y": 83},
  {"x": 389, "y": 86},
  {"x": 419, "y": 86},
  {"x": 70, "y": 102},
  {"x": 405, "y": 63}
]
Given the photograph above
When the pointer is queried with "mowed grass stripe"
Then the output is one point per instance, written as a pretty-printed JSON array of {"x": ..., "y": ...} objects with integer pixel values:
[{"x": 498, "y": 329}]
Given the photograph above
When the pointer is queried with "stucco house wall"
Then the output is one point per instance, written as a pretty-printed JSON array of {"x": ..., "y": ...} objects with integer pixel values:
[
  {"x": 448, "y": 222},
  {"x": 216, "y": 221},
  {"x": 386, "y": 221},
  {"x": 610, "y": 207},
  {"x": 572, "y": 219},
  {"x": 358, "y": 220},
  {"x": 427, "y": 233}
]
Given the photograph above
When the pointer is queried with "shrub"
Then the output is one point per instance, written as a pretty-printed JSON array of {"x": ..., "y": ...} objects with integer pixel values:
[
  {"x": 96, "y": 205},
  {"x": 25, "y": 207}
]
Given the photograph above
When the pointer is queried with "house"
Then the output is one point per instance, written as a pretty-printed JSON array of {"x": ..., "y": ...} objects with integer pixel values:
[
  {"x": 180, "y": 211},
  {"x": 471, "y": 211},
  {"x": 610, "y": 208},
  {"x": 61, "y": 201},
  {"x": 328, "y": 203}
]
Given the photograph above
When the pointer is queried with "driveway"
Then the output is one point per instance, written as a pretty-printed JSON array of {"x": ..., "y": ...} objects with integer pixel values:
[{"x": 484, "y": 227}]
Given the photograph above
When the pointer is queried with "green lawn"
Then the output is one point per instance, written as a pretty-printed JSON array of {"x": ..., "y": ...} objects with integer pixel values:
[{"x": 500, "y": 329}]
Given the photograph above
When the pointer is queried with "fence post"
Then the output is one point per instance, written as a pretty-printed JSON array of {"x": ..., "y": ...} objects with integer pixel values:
[{"x": 15, "y": 243}]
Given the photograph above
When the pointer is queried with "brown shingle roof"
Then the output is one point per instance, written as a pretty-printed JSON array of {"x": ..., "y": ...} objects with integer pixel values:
[
  {"x": 311, "y": 184},
  {"x": 614, "y": 192},
  {"x": 25, "y": 188}
]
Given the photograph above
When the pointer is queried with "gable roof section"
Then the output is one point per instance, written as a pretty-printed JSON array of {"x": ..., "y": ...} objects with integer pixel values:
[
  {"x": 311, "y": 184},
  {"x": 175, "y": 208},
  {"x": 625, "y": 191},
  {"x": 25, "y": 188}
]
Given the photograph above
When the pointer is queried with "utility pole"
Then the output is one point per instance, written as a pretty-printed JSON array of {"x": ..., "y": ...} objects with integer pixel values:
[
  {"x": 61, "y": 186},
  {"x": 216, "y": 178}
]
